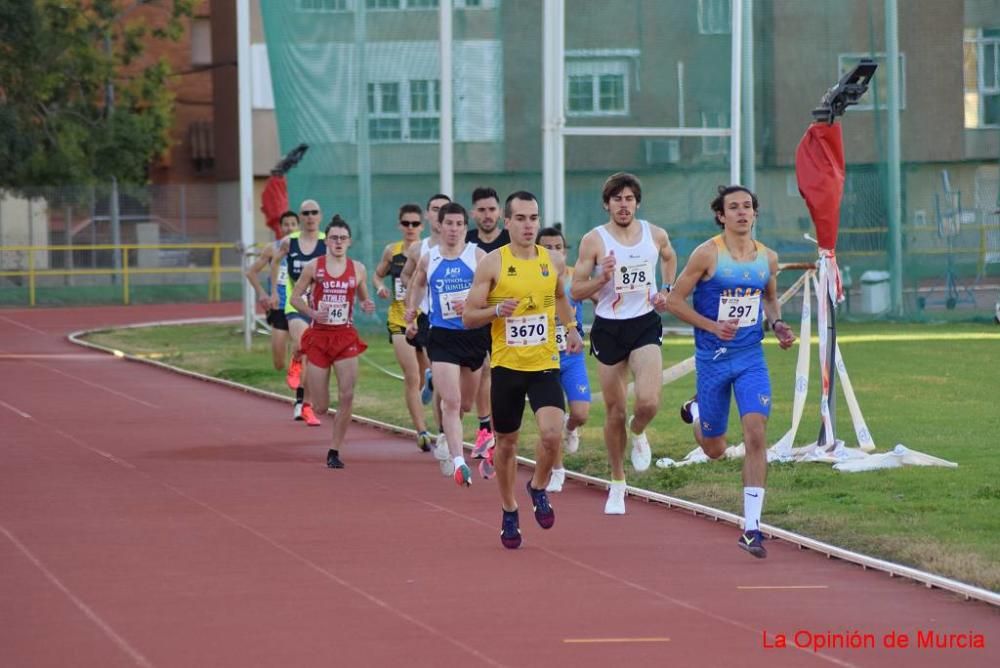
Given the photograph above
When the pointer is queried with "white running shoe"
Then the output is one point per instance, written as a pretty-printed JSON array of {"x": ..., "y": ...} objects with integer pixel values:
[
  {"x": 297, "y": 411},
  {"x": 443, "y": 456},
  {"x": 641, "y": 454},
  {"x": 615, "y": 504},
  {"x": 556, "y": 480},
  {"x": 570, "y": 439}
]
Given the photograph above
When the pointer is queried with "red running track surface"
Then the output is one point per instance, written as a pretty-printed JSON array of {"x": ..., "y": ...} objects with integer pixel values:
[{"x": 156, "y": 520}]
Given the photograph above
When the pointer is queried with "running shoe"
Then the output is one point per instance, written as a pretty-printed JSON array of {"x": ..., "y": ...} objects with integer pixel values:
[
  {"x": 428, "y": 391},
  {"x": 641, "y": 454},
  {"x": 297, "y": 411},
  {"x": 486, "y": 467},
  {"x": 556, "y": 480},
  {"x": 753, "y": 542},
  {"x": 463, "y": 476},
  {"x": 294, "y": 375},
  {"x": 615, "y": 504},
  {"x": 570, "y": 439},
  {"x": 510, "y": 530},
  {"x": 544, "y": 514},
  {"x": 333, "y": 459},
  {"x": 424, "y": 441},
  {"x": 484, "y": 441},
  {"x": 686, "y": 410},
  {"x": 309, "y": 416},
  {"x": 442, "y": 454}
]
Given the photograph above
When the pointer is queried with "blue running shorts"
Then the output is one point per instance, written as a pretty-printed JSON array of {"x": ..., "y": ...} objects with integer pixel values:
[
  {"x": 573, "y": 376},
  {"x": 742, "y": 372}
]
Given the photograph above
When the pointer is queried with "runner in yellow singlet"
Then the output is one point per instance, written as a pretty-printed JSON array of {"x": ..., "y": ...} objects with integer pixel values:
[
  {"x": 409, "y": 353},
  {"x": 518, "y": 289}
]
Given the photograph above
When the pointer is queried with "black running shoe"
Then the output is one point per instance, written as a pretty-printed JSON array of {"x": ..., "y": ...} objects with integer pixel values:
[
  {"x": 544, "y": 514},
  {"x": 686, "y": 409},
  {"x": 753, "y": 542},
  {"x": 510, "y": 531},
  {"x": 333, "y": 459}
]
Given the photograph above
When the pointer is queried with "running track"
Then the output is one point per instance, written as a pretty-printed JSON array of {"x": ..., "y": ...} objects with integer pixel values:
[{"x": 155, "y": 520}]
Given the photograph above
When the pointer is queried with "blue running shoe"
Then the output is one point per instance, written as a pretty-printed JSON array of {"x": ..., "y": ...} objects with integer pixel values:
[
  {"x": 686, "y": 410},
  {"x": 544, "y": 514},
  {"x": 753, "y": 542},
  {"x": 428, "y": 391},
  {"x": 510, "y": 531}
]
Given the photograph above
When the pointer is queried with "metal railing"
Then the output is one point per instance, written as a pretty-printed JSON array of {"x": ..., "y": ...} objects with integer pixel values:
[{"x": 215, "y": 270}]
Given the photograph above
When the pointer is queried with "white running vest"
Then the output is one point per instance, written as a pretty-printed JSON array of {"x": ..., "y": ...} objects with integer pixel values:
[
  {"x": 630, "y": 291},
  {"x": 425, "y": 248}
]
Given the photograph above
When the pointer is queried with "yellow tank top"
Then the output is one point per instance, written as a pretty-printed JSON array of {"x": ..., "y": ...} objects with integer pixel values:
[
  {"x": 397, "y": 306},
  {"x": 525, "y": 341}
]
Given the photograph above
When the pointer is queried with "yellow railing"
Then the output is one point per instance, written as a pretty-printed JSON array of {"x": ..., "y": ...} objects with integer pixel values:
[{"x": 214, "y": 271}]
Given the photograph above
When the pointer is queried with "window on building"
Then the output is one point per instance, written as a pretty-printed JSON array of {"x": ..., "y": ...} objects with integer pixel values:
[
  {"x": 324, "y": 5},
  {"x": 404, "y": 111},
  {"x": 201, "y": 42},
  {"x": 596, "y": 87},
  {"x": 981, "y": 70},
  {"x": 714, "y": 145},
  {"x": 385, "y": 121},
  {"x": 877, "y": 96},
  {"x": 714, "y": 17}
]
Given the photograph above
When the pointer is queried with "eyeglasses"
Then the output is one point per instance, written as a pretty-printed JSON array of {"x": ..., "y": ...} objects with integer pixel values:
[
  {"x": 311, "y": 212},
  {"x": 410, "y": 223},
  {"x": 337, "y": 238}
]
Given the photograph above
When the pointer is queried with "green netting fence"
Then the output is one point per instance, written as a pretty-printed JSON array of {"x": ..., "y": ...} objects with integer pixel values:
[{"x": 360, "y": 82}]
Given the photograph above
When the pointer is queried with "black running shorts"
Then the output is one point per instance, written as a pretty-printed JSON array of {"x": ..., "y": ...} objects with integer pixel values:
[
  {"x": 612, "y": 341},
  {"x": 508, "y": 389},
  {"x": 463, "y": 347},
  {"x": 277, "y": 320}
]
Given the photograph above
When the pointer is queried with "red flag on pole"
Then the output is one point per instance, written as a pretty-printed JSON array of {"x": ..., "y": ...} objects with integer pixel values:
[
  {"x": 274, "y": 202},
  {"x": 819, "y": 167}
]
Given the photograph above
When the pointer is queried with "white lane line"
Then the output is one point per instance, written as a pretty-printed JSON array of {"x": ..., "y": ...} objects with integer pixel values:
[
  {"x": 14, "y": 409},
  {"x": 445, "y": 636},
  {"x": 22, "y": 325},
  {"x": 56, "y": 356},
  {"x": 97, "y": 385},
  {"x": 87, "y": 611}
]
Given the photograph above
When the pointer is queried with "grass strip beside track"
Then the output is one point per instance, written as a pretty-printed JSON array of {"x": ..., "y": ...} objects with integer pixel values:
[{"x": 931, "y": 389}]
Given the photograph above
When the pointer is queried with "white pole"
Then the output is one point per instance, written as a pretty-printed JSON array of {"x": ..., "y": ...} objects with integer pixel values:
[
  {"x": 447, "y": 147},
  {"x": 559, "y": 76},
  {"x": 893, "y": 156},
  {"x": 246, "y": 156},
  {"x": 736, "y": 91},
  {"x": 680, "y": 93},
  {"x": 749, "y": 138},
  {"x": 365, "y": 222},
  {"x": 548, "y": 111}
]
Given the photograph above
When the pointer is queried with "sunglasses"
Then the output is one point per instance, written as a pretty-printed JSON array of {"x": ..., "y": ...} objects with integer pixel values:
[
  {"x": 411, "y": 223},
  {"x": 337, "y": 238},
  {"x": 311, "y": 212}
]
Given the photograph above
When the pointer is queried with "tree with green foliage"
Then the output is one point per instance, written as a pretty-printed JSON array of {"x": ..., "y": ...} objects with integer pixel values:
[{"x": 78, "y": 102}]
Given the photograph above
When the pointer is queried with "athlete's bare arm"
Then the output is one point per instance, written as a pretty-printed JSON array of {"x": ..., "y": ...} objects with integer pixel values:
[
  {"x": 700, "y": 266},
  {"x": 381, "y": 271},
  {"x": 415, "y": 291},
  {"x": 478, "y": 311},
  {"x": 772, "y": 307},
  {"x": 668, "y": 266},
  {"x": 412, "y": 256},
  {"x": 277, "y": 258},
  {"x": 564, "y": 310},
  {"x": 263, "y": 298},
  {"x": 366, "y": 304},
  {"x": 298, "y": 298},
  {"x": 585, "y": 285}
]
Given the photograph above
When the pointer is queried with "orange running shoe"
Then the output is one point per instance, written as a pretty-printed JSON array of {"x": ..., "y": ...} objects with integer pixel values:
[
  {"x": 309, "y": 416},
  {"x": 294, "y": 375}
]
